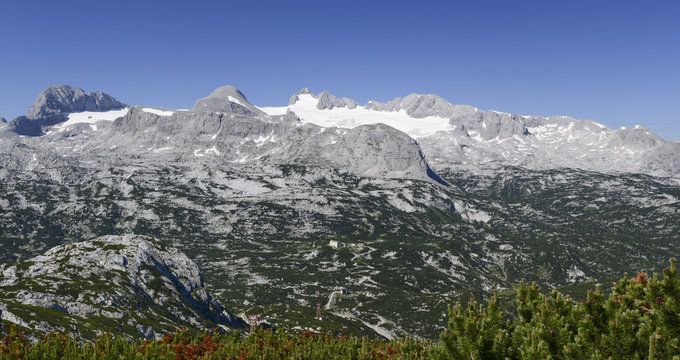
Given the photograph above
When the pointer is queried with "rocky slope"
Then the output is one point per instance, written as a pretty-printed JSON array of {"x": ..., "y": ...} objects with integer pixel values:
[
  {"x": 129, "y": 285},
  {"x": 261, "y": 233}
]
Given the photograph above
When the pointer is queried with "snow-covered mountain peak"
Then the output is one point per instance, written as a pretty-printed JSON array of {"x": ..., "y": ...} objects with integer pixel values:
[
  {"x": 450, "y": 135},
  {"x": 53, "y": 105}
]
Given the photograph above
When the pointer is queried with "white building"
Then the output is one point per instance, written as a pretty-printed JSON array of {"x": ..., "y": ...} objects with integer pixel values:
[{"x": 335, "y": 244}]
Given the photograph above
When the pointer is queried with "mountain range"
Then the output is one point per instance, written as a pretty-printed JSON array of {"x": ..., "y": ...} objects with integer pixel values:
[
  {"x": 449, "y": 136},
  {"x": 437, "y": 203},
  {"x": 455, "y": 136}
]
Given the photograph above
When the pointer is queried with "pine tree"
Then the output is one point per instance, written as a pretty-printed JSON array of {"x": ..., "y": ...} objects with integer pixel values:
[{"x": 478, "y": 333}]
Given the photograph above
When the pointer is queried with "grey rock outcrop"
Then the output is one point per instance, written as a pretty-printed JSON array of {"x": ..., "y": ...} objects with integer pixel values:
[
  {"x": 227, "y": 99},
  {"x": 329, "y": 101},
  {"x": 52, "y": 105},
  {"x": 377, "y": 151},
  {"x": 416, "y": 105},
  {"x": 147, "y": 286},
  {"x": 295, "y": 97}
]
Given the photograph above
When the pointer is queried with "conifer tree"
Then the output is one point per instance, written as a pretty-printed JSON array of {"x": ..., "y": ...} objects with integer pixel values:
[{"x": 477, "y": 333}]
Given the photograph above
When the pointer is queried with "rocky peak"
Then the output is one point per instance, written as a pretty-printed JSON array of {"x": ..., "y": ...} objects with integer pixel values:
[
  {"x": 54, "y": 103},
  {"x": 329, "y": 101},
  {"x": 66, "y": 99},
  {"x": 295, "y": 97},
  {"x": 416, "y": 105},
  {"x": 326, "y": 100},
  {"x": 227, "y": 92},
  {"x": 227, "y": 99}
]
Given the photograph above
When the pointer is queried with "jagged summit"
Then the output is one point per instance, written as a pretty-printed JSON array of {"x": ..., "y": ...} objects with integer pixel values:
[
  {"x": 325, "y": 99},
  {"x": 296, "y": 97},
  {"x": 417, "y": 105},
  {"x": 55, "y": 102},
  {"x": 65, "y": 99},
  {"x": 228, "y": 99},
  {"x": 329, "y": 101}
]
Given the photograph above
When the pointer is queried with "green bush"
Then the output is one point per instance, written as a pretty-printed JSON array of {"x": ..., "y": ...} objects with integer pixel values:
[{"x": 640, "y": 319}]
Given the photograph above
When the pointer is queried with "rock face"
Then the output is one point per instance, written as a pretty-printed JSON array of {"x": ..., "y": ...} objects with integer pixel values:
[
  {"x": 131, "y": 285},
  {"x": 295, "y": 97},
  {"x": 55, "y": 102},
  {"x": 378, "y": 151},
  {"x": 423, "y": 105},
  {"x": 328, "y": 101}
]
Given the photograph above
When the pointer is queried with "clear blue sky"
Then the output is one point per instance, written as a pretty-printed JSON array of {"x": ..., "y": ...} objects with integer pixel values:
[{"x": 616, "y": 62}]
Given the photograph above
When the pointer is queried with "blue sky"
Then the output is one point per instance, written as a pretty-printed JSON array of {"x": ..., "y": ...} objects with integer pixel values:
[{"x": 616, "y": 62}]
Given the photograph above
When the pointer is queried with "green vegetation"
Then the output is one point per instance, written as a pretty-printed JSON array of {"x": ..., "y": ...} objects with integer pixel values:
[
  {"x": 266, "y": 251},
  {"x": 640, "y": 319},
  {"x": 263, "y": 344}
]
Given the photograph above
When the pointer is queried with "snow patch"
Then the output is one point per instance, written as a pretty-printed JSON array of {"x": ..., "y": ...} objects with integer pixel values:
[
  {"x": 305, "y": 108},
  {"x": 158, "y": 112},
  {"x": 274, "y": 110},
  {"x": 91, "y": 117},
  {"x": 212, "y": 150},
  {"x": 235, "y": 100},
  {"x": 162, "y": 149}
]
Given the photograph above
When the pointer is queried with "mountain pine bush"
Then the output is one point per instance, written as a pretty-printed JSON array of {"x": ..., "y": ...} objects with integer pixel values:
[{"x": 640, "y": 319}]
